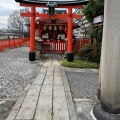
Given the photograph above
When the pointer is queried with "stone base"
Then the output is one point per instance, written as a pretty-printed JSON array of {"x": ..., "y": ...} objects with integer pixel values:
[
  {"x": 98, "y": 95},
  {"x": 100, "y": 114},
  {"x": 70, "y": 56},
  {"x": 31, "y": 56}
]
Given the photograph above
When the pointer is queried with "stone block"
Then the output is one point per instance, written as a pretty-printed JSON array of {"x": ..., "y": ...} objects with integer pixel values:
[{"x": 39, "y": 79}]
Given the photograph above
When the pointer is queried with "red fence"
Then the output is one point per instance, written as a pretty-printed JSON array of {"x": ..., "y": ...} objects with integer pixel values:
[
  {"x": 48, "y": 45},
  {"x": 54, "y": 46},
  {"x": 5, "y": 44},
  {"x": 79, "y": 43},
  {"x": 61, "y": 46}
]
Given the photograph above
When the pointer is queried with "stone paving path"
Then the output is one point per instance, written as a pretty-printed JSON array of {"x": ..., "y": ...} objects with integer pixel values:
[{"x": 47, "y": 98}]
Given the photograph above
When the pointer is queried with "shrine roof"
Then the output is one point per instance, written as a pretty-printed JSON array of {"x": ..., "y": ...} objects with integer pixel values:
[{"x": 58, "y": 2}]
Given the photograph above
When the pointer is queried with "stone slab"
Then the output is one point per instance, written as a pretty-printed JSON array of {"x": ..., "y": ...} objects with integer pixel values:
[
  {"x": 18, "y": 104},
  {"x": 51, "y": 68},
  {"x": 21, "y": 98},
  {"x": 65, "y": 81},
  {"x": 56, "y": 73},
  {"x": 39, "y": 79},
  {"x": 59, "y": 91},
  {"x": 28, "y": 107},
  {"x": 46, "y": 90},
  {"x": 43, "y": 70},
  {"x": 49, "y": 72},
  {"x": 57, "y": 68},
  {"x": 56, "y": 63},
  {"x": 71, "y": 107},
  {"x": 48, "y": 80},
  {"x": 44, "y": 108},
  {"x": 47, "y": 63},
  {"x": 58, "y": 80},
  {"x": 34, "y": 90},
  {"x": 12, "y": 115},
  {"x": 60, "y": 109}
]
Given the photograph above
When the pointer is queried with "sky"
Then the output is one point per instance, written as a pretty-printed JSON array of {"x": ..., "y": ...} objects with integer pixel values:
[{"x": 6, "y": 8}]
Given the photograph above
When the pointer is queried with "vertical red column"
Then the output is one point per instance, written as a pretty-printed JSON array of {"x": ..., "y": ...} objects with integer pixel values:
[
  {"x": 32, "y": 35},
  {"x": 70, "y": 30},
  {"x": 39, "y": 31},
  {"x": 70, "y": 45}
]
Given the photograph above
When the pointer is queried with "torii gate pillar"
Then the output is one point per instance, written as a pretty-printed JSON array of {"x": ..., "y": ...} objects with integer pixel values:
[
  {"x": 39, "y": 31},
  {"x": 109, "y": 108},
  {"x": 32, "y": 35},
  {"x": 70, "y": 46}
]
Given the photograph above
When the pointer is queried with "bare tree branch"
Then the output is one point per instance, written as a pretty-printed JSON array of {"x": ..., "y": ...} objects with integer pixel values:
[{"x": 16, "y": 22}]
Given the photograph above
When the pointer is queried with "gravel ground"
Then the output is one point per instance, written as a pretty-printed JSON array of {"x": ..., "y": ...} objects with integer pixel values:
[
  {"x": 15, "y": 71},
  {"x": 83, "y": 84}
]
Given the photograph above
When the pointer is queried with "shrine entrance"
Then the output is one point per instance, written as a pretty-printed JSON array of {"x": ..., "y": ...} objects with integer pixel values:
[
  {"x": 55, "y": 27},
  {"x": 53, "y": 32}
]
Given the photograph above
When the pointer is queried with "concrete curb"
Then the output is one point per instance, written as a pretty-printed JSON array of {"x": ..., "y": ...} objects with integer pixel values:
[
  {"x": 20, "y": 100},
  {"x": 71, "y": 108},
  {"x": 18, "y": 104}
]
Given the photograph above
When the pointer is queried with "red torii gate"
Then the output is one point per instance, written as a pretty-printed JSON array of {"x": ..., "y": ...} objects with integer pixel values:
[{"x": 33, "y": 14}]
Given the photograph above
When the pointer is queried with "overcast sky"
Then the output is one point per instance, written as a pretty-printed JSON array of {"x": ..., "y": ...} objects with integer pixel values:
[{"x": 6, "y": 8}]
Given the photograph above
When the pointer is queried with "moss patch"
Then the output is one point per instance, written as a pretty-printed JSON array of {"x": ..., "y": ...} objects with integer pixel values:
[{"x": 78, "y": 63}]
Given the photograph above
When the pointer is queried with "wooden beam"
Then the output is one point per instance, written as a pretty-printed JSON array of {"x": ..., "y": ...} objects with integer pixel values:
[
  {"x": 27, "y": 14},
  {"x": 42, "y": 19},
  {"x": 58, "y": 6},
  {"x": 37, "y": 14},
  {"x": 49, "y": 23},
  {"x": 76, "y": 16},
  {"x": 52, "y": 17}
]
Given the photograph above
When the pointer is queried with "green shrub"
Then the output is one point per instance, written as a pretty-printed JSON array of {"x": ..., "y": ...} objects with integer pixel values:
[
  {"x": 97, "y": 57},
  {"x": 86, "y": 52},
  {"x": 91, "y": 10},
  {"x": 78, "y": 63}
]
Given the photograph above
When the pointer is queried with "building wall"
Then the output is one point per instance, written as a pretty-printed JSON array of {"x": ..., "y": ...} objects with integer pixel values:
[{"x": 83, "y": 23}]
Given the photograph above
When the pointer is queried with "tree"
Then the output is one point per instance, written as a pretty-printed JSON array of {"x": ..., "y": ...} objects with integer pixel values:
[
  {"x": 91, "y": 10},
  {"x": 16, "y": 22}
]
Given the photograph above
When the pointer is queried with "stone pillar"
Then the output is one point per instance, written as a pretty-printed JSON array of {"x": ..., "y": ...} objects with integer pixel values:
[
  {"x": 32, "y": 35},
  {"x": 110, "y": 64},
  {"x": 70, "y": 46}
]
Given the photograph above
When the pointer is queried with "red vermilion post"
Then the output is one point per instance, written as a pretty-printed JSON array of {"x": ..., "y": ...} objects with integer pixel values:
[
  {"x": 70, "y": 46},
  {"x": 39, "y": 31},
  {"x": 70, "y": 30},
  {"x": 32, "y": 30},
  {"x": 32, "y": 35}
]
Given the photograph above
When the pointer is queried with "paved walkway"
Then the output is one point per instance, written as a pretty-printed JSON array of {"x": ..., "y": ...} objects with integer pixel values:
[{"x": 48, "y": 97}]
